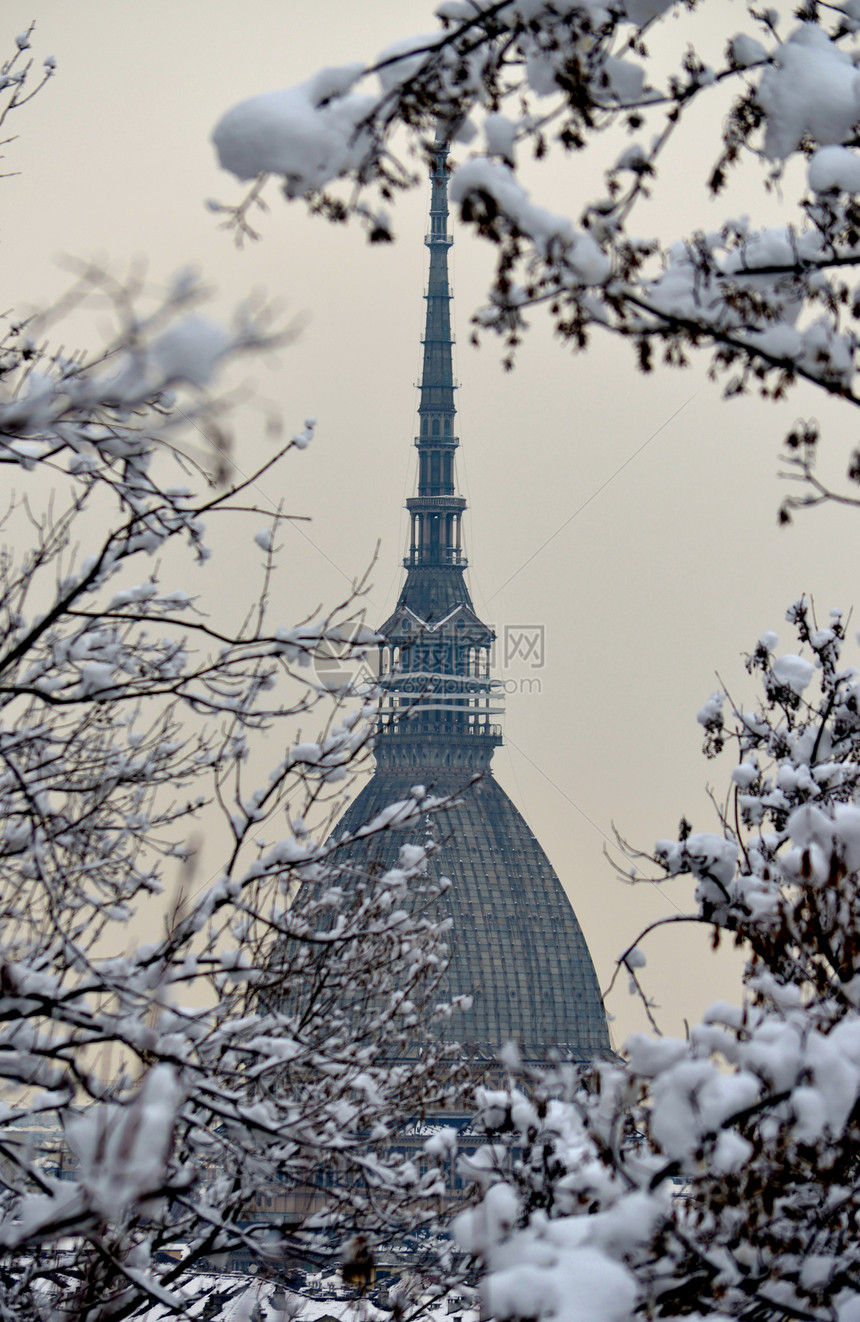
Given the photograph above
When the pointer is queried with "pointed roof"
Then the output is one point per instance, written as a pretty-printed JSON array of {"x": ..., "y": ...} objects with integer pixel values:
[{"x": 436, "y": 560}]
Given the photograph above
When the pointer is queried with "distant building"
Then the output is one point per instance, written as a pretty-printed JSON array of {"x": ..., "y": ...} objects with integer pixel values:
[{"x": 517, "y": 945}]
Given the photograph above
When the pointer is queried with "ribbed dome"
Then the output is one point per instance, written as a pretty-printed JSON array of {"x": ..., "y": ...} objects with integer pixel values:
[{"x": 517, "y": 947}]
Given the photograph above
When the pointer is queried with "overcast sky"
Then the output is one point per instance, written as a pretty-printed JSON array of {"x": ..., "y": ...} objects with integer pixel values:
[{"x": 633, "y": 518}]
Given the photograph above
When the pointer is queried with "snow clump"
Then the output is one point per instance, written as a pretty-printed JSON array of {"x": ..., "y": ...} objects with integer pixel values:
[
  {"x": 813, "y": 88},
  {"x": 307, "y": 134},
  {"x": 834, "y": 169}
]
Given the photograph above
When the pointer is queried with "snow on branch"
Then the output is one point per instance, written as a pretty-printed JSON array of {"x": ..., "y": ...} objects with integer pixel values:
[
  {"x": 716, "y": 1175},
  {"x": 505, "y": 82},
  {"x": 178, "y": 1051}
]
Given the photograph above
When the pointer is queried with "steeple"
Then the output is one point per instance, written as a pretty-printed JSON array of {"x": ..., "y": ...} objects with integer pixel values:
[
  {"x": 436, "y": 512},
  {"x": 435, "y": 660}
]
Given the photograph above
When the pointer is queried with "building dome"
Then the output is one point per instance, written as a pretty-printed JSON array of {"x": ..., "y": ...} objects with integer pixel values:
[{"x": 516, "y": 946}]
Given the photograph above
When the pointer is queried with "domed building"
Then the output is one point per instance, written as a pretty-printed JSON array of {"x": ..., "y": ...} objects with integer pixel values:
[{"x": 517, "y": 947}]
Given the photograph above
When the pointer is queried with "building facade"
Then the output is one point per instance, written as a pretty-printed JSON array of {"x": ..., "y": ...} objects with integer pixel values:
[{"x": 517, "y": 948}]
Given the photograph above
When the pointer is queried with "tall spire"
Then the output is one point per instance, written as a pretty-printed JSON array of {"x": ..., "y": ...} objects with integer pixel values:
[
  {"x": 435, "y": 661},
  {"x": 436, "y": 512}
]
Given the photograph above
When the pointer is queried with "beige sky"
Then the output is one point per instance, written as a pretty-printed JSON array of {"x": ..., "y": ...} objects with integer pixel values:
[{"x": 664, "y": 562}]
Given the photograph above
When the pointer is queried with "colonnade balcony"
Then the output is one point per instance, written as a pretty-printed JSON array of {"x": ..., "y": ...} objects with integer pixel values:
[
  {"x": 440, "y": 555},
  {"x": 414, "y": 726}
]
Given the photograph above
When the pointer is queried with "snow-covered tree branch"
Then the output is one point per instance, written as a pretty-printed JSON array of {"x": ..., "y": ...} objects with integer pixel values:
[
  {"x": 526, "y": 90},
  {"x": 717, "y": 1175},
  {"x": 171, "y": 1067}
]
